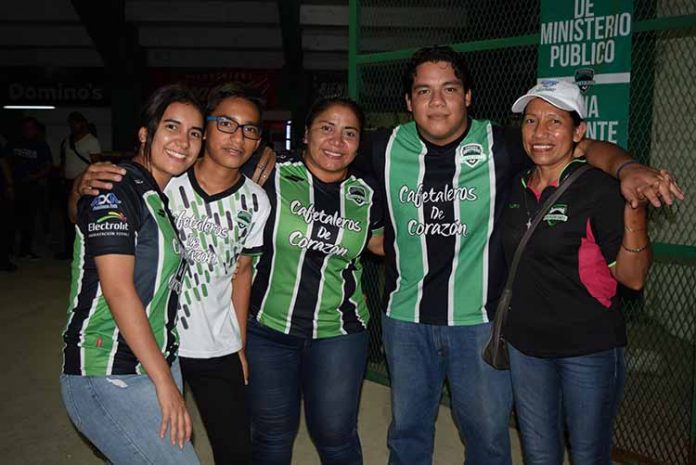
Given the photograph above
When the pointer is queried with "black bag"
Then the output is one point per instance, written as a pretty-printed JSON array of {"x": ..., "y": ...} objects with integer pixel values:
[{"x": 495, "y": 351}]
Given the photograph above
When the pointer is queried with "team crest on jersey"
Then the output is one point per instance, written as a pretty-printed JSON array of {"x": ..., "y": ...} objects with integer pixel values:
[
  {"x": 471, "y": 154},
  {"x": 357, "y": 194},
  {"x": 243, "y": 221},
  {"x": 557, "y": 214}
]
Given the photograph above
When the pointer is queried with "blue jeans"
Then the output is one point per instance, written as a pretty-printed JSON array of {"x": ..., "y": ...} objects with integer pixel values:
[
  {"x": 328, "y": 373},
  {"x": 420, "y": 357},
  {"x": 121, "y": 416},
  {"x": 586, "y": 390}
]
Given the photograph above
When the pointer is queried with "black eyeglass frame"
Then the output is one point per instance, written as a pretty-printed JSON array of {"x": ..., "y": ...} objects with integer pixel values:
[{"x": 235, "y": 125}]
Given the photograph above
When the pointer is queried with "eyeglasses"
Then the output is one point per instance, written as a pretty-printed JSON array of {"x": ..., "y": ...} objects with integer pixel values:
[{"x": 230, "y": 126}]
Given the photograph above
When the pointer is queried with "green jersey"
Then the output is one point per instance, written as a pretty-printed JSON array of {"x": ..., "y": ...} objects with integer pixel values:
[
  {"x": 131, "y": 219},
  {"x": 308, "y": 280},
  {"x": 445, "y": 263}
]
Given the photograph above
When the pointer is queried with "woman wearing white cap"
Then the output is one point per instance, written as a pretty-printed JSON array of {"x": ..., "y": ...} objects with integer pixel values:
[{"x": 565, "y": 329}]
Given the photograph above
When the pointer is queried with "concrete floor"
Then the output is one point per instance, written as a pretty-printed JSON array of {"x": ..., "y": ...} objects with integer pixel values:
[{"x": 34, "y": 428}]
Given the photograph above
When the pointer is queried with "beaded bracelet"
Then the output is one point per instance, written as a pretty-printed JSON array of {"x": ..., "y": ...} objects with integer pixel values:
[{"x": 638, "y": 250}]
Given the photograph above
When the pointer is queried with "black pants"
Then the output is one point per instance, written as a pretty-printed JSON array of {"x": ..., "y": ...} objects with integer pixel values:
[{"x": 218, "y": 388}]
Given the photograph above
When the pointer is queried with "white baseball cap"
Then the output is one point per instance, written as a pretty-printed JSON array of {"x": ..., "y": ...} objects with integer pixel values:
[{"x": 562, "y": 94}]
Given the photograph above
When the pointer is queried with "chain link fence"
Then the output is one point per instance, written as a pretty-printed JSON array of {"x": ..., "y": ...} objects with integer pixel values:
[{"x": 657, "y": 421}]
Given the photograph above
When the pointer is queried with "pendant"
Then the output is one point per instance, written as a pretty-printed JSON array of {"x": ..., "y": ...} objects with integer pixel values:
[{"x": 529, "y": 224}]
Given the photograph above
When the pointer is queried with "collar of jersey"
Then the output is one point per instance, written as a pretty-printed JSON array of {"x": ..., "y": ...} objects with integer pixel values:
[
  {"x": 567, "y": 170},
  {"x": 191, "y": 173},
  {"x": 434, "y": 148}
]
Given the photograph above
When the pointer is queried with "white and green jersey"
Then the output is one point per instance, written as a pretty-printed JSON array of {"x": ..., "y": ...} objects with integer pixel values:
[
  {"x": 131, "y": 219},
  {"x": 215, "y": 230},
  {"x": 445, "y": 263},
  {"x": 308, "y": 280}
]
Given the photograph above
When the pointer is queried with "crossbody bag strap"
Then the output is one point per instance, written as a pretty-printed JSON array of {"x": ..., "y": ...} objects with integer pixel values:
[
  {"x": 537, "y": 219},
  {"x": 74, "y": 149}
]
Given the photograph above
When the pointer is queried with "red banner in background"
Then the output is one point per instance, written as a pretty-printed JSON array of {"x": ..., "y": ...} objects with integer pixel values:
[{"x": 265, "y": 81}]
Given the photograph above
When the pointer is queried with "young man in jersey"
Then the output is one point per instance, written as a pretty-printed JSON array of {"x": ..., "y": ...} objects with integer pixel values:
[
  {"x": 220, "y": 215},
  {"x": 446, "y": 178}
]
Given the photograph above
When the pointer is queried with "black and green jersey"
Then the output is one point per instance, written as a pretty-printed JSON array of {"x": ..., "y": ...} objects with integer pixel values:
[
  {"x": 444, "y": 255},
  {"x": 131, "y": 219},
  {"x": 308, "y": 281}
]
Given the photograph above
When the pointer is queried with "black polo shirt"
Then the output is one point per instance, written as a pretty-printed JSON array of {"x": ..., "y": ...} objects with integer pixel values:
[{"x": 564, "y": 299}]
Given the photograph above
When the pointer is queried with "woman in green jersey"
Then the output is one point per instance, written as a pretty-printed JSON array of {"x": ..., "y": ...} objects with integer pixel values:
[
  {"x": 307, "y": 335},
  {"x": 121, "y": 382}
]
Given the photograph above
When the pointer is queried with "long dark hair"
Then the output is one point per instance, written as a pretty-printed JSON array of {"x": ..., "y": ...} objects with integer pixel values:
[{"x": 156, "y": 105}]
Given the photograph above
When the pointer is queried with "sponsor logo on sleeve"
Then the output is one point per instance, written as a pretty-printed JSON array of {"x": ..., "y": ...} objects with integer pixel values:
[
  {"x": 107, "y": 201},
  {"x": 118, "y": 216},
  {"x": 111, "y": 224}
]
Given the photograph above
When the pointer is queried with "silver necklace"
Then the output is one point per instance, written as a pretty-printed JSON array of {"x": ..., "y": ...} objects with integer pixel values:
[{"x": 525, "y": 194}]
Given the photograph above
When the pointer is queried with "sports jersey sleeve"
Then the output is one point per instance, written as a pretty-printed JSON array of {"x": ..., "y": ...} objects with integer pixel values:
[
  {"x": 513, "y": 144},
  {"x": 607, "y": 220},
  {"x": 253, "y": 244},
  {"x": 110, "y": 220},
  {"x": 515, "y": 149},
  {"x": 370, "y": 158}
]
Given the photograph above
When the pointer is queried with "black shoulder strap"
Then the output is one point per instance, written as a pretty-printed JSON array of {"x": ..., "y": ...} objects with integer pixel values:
[{"x": 537, "y": 219}]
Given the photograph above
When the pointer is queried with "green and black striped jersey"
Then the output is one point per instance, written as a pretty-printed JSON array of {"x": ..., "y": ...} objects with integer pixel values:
[
  {"x": 445, "y": 263},
  {"x": 131, "y": 219},
  {"x": 308, "y": 280}
]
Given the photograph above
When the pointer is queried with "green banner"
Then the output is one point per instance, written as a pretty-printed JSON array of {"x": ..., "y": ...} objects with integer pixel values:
[{"x": 589, "y": 42}]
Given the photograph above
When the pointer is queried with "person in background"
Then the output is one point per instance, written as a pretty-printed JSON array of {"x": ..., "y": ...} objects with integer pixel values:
[
  {"x": 6, "y": 211},
  {"x": 565, "y": 329},
  {"x": 76, "y": 151},
  {"x": 30, "y": 161}
]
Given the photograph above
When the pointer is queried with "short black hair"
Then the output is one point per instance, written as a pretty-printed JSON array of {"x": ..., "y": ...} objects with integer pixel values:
[
  {"x": 153, "y": 110},
  {"x": 432, "y": 55},
  {"x": 76, "y": 117},
  {"x": 234, "y": 90},
  {"x": 325, "y": 103},
  {"x": 577, "y": 119}
]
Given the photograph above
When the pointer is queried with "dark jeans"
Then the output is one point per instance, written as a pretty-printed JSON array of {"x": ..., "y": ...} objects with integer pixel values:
[
  {"x": 68, "y": 226},
  {"x": 6, "y": 227},
  {"x": 586, "y": 390},
  {"x": 328, "y": 373},
  {"x": 218, "y": 388},
  {"x": 420, "y": 357},
  {"x": 27, "y": 205}
]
